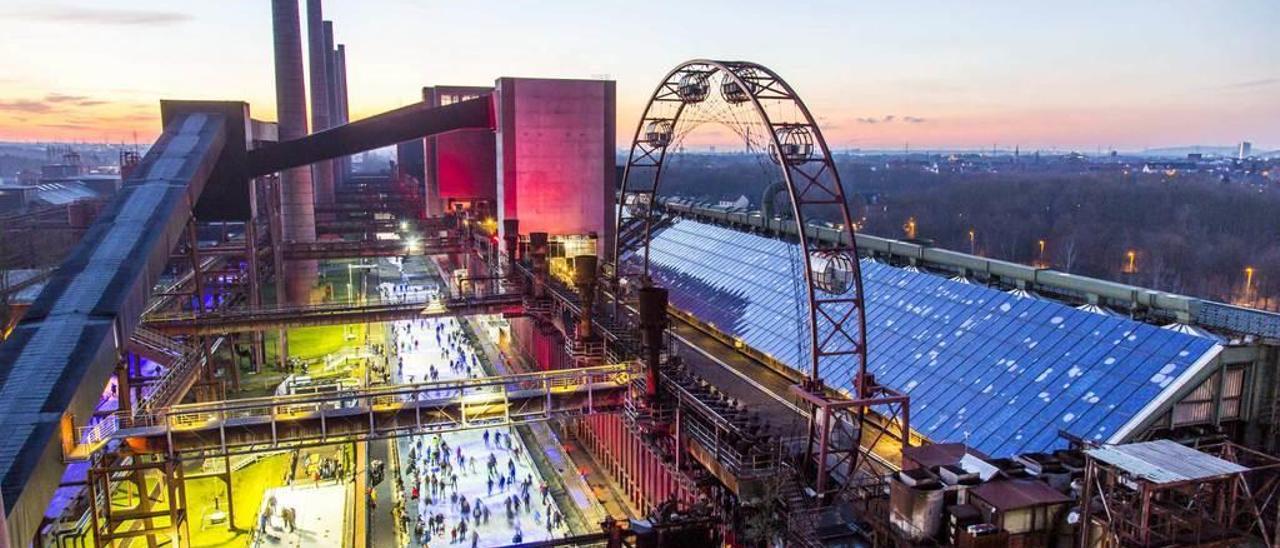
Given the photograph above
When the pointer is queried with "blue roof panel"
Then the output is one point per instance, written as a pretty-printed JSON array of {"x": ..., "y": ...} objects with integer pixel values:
[{"x": 999, "y": 371}]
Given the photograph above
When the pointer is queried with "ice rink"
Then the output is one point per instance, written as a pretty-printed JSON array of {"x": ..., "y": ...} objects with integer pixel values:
[{"x": 439, "y": 342}]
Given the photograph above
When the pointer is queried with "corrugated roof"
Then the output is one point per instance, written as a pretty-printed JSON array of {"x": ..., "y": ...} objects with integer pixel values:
[
  {"x": 1164, "y": 461},
  {"x": 63, "y": 193},
  {"x": 997, "y": 371}
]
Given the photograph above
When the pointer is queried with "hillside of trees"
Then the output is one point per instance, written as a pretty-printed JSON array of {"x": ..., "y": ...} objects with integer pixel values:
[{"x": 1189, "y": 234}]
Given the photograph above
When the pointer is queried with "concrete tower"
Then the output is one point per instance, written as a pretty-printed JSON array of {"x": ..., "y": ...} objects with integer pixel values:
[
  {"x": 297, "y": 202},
  {"x": 343, "y": 114},
  {"x": 321, "y": 95}
]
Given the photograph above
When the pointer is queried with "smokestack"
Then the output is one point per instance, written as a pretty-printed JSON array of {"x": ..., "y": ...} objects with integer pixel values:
[
  {"x": 331, "y": 72},
  {"x": 340, "y": 105},
  {"x": 318, "y": 55},
  {"x": 297, "y": 195}
]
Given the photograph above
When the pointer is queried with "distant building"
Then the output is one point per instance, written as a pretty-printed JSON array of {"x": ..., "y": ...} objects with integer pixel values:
[
  {"x": 741, "y": 203},
  {"x": 1246, "y": 150}
]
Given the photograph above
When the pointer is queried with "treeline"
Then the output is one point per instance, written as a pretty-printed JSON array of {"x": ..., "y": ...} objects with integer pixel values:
[{"x": 1189, "y": 234}]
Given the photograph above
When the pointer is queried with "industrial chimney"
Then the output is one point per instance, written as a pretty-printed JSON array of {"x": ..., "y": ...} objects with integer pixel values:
[
  {"x": 297, "y": 194},
  {"x": 321, "y": 95}
]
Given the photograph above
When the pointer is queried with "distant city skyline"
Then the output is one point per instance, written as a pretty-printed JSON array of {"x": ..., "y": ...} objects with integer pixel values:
[{"x": 929, "y": 75}]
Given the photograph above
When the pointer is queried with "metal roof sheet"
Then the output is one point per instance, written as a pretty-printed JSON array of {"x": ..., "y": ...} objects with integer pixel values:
[
  {"x": 1013, "y": 494},
  {"x": 1164, "y": 461},
  {"x": 994, "y": 370}
]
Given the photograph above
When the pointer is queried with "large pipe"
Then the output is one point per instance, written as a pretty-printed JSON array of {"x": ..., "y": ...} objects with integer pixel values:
[
  {"x": 411, "y": 122},
  {"x": 319, "y": 34},
  {"x": 297, "y": 196}
]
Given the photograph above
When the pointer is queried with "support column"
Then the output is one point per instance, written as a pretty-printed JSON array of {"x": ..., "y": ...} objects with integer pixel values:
[
  {"x": 211, "y": 388},
  {"x": 124, "y": 399},
  {"x": 277, "y": 255},
  {"x": 144, "y": 502},
  {"x": 231, "y": 508},
  {"x": 257, "y": 349}
]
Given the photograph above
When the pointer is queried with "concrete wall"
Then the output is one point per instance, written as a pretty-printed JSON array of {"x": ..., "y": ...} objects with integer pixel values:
[
  {"x": 556, "y": 155},
  {"x": 460, "y": 165}
]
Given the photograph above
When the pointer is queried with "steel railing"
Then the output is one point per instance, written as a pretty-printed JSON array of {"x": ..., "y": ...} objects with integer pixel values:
[{"x": 483, "y": 393}]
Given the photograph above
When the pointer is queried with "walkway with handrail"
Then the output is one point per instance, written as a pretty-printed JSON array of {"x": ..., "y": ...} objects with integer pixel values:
[
  {"x": 276, "y": 422},
  {"x": 261, "y": 318}
]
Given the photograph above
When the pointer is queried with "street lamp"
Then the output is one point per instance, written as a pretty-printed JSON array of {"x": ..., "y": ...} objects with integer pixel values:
[
  {"x": 910, "y": 228},
  {"x": 1248, "y": 283},
  {"x": 973, "y": 247},
  {"x": 352, "y": 297},
  {"x": 1133, "y": 256}
]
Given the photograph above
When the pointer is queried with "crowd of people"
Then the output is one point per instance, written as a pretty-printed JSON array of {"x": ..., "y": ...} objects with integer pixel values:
[
  {"x": 454, "y": 483},
  {"x": 438, "y": 509}
]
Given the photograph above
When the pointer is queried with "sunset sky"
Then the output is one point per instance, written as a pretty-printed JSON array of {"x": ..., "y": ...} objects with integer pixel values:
[{"x": 1065, "y": 75}]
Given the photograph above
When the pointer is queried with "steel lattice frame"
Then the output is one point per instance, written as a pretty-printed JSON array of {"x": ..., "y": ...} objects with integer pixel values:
[
  {"x": 833, "y": 279},
  {"x": 836, "y": 318}
]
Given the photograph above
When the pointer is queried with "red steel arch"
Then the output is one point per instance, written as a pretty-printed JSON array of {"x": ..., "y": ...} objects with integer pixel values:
[{"x": 832, "y": 275}]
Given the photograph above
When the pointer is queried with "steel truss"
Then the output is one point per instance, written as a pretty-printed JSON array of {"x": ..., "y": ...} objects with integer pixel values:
[
  {"x": 833, "y": 280},
  {"x": 1223, "y": 510},
  {"x": 154, "y": 501},
  {"x": 304, "y": 420}
]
